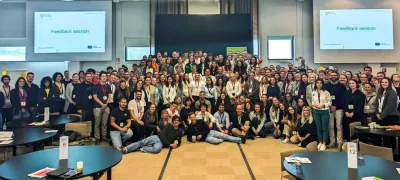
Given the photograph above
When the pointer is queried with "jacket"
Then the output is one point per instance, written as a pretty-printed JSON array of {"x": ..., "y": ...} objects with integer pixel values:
[
  {"x": 389, "y": 106},
  {"x": 235, "y": 121},
  {"x": 369, "y": 105}
]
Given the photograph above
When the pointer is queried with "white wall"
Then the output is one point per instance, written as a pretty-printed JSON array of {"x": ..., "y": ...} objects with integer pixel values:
[{"x": 292, "y": 17}]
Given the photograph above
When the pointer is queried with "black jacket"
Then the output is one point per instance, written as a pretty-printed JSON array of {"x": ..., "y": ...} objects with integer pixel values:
[
  {"x": 338, "y": 90},
  {"x": 169, "y": 134},
  {"x": 32, "y": 92},
  {"x": 15, "y": 101},
  {"x": 200, "y": 128},
  {"x": 357, "y": 100},
  {"x": 236, "y": 123},
  {"x": 389, "y": 106},
  {"x": 46, "y": 100},
  {"x": 83, "y": 91}
]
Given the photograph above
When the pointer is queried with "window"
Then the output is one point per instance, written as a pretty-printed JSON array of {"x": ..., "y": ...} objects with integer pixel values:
[
  {"x": 280, "y": 47},
  {"x": 136, "y": 53},
  {"x": 12, "y": 53}
]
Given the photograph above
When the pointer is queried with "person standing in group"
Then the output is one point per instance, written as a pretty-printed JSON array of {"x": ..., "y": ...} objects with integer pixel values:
[
  {"x": 32, "y": 90},
  {"x": 321, "y": 102},
  {"x": 337, "y": 91},
  {"x": 19, "y": 97},
  {"x": 369, "y": 105},
  {"x": 6, "y": 90},
  {"x": 101, "y": 95},
  {"x": 353, "y": 106},
  {"x": 312, "y": 77},
  {"x": 84, "y": 98},
  {"x": 70, "y": 96},
  {"x": 233, "y": 88},
  {"x": 59, "y": 93},
  {"x": 386, "y": 104}
]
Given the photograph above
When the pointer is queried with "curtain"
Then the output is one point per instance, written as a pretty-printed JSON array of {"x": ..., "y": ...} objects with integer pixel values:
[{"x": 172, "y": 7}]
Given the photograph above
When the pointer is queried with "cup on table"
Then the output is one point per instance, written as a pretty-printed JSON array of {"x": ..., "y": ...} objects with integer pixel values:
[{"x": 79, "y": 166}]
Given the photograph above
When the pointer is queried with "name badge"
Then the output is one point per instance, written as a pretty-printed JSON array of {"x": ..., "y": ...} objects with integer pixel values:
[
  {"x": 90, "y": 96},
  {"x": 366, "y": 107},
  {"x": 8, "y": 101},
  {"x": 23, "y": 103},
  {"x": 294, "y": 132},
  {"x": 333, "y": 97},
  {"x": 351, "y": 106},
  {"x": 44, "y": 98},
  {"x": 62, "y": 96},
  {"x": 296, "y": 92},
  {"x": 104, "y": 98},
  {"x": 121, "y": 124},
  {"x": 301, "y": 96},
  {"x": 73, "y": 96}
]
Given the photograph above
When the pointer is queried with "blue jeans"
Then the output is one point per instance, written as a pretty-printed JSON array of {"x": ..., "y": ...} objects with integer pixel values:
[
  {"x": 21, "y": 115},
  {"x": 269, "y": 127},
  {"x": 321, "y": 118},
  {"x": 215, "y": 137},
  {"x": 152, "y": 144},
  {"x": 1, "y": 121},
  {"x": 116, "y": 137}
]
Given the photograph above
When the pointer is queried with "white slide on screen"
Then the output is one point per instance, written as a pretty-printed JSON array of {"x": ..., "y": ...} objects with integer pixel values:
[
  {"x": 356, "y": 29},
  {"x": 280, "y": 49},
  {"x": 70, "y": 32}
]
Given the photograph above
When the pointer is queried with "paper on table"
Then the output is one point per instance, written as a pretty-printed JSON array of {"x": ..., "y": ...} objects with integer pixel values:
[
  {"x": 6, "y": 142},
  {"x": 293, "y": 160},
  {"x": 41, "y": 173},
  {"x": 398, "y": 170},
  {"x": 371, "y": 178},
  {"x": 6, "y": 134},
  {"x": 5, "y": 139},
  {"x": 51, "y": 131}
]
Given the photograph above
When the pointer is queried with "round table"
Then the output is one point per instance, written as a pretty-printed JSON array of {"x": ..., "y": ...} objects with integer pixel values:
[
  {"x": 95, "y": 159},
  {"x": 54, "y": 120},
  {"x": 333, "y": 166},
  {"x": 28, "y": 135},
  {"x": 381, "y": 132}
]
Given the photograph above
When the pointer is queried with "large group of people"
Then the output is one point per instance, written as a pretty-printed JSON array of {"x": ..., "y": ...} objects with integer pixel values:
[{"x": 211, "y": 98}]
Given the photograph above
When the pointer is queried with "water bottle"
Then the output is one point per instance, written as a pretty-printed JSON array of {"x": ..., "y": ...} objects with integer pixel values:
[{"x": 4, "y": 126}]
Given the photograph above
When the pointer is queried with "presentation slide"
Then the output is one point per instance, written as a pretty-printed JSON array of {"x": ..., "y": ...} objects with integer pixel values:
[
  {"x": 356, "y": 29},
  {"x": 280, "y": 49},
  {"x": 70, "y": 32},
  {"x": 12, "y": 53}
]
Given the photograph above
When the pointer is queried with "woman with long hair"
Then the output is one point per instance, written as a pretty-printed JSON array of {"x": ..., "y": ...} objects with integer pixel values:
[
  {"x": 122, "y": 92},
  {"x": 353, "y": 107},
  {"x": 148, "y": 68},
  {"x": 185, "y": 85},
  {"x": 150, "y": 120},
  {"x": 169, "y": 91},
  {"x": 288, "y": 101},
  {"x": 239, "y": 67},
  {"x": 303, "y": 87},
  {"x": 306, "y": 129},
  {"x": 386, "y": 104},
  {"x": 201, "y": 68},
  {"x": 18, "y": 98},
  {"x": 369, "y": 104},
  {"x": 211, "y": 93},
  {"x": 227, "y": 68},
  {"x": 344, "y": 80},
  {"x": 224, "y": 99},
  {"x": 258, "y": 118},
  {"x": 59, "y": 92},
  {"x": 248, "y": 107},
  {"x": 81, "y": 76},
  {"x": 220, "y": 87},
  {"x": 251, "y": 67},
  {"x": 300, "y": 104},
  {"x": 132, "y": 83},
  {"x": 275, "y": 114},
  {"x": 289, "y": 123},
  {"x": 265, "y": 106},
  {"x": 288, "y": 84},
  {"x": 70, "y": 95},
  {"x": 312, "y": 77},
  {"x": 273, "y": 89},
  {"x": 178, "y": 85},
  {"x": 185, "y": 111},
  {"x": 46, "y": 95},
  {"x": 396, "y": 84},
  {"x": 263, "y": 87},
  {"x": 321, "y": 103},
  {"x": 214, "y": 68},
  {"x": 139, "y": 87},
  {"x": 179, "y": 103}
]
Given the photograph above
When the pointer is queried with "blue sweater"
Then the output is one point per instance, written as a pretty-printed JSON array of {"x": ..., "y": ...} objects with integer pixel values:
[{"x": 338, "y": 90}]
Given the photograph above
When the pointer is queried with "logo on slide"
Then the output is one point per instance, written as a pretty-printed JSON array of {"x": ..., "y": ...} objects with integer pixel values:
[
  {"x": 329, "y": 13},
  {"x": 45, "y": 16}
]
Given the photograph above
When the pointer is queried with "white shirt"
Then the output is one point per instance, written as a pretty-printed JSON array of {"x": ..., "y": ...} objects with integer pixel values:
[
  {"x": 233, "y": 89},
  {"x": 220, "y": 117},
  {"x": 196, "y": 86},
  {"x": 324, "y": 98},
  {"x": 176, "y": 113},
  {"x": 170, "y": 93},
  {"x": 207, "y": 117},
  {"x": 210, "y": 92},
  {"x": 380, "y": 104},
  {"x": 136, "y": 107}
]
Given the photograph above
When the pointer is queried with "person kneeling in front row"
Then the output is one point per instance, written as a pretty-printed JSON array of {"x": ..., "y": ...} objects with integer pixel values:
[
  {"x": 120, "y": 123},
  {"x": 199, "y": 130},
  {"x": 170, "y": 136}
]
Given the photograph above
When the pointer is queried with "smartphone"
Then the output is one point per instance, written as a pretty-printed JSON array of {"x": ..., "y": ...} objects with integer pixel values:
[{"x": 71, "y": 173}]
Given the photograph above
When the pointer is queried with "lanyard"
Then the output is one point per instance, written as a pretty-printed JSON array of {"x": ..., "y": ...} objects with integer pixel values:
[
  {"x": 138, "y": 108},
  {"x": 369, "y": 99},
  {"x": 210, "y": 91},
  {"x": 319, "y": 98},
  {"x": 169, "y": 89},
  {"x": 240, "y": 119},
  {"x": 9, "y": 89},
  {"x": 148, "y": 91},
  {"x": 222, "y": 117},
  {"x": 60, "y": 88},
  {"x": 198, "y": 84},
  {"x": 103, "y": 89}
]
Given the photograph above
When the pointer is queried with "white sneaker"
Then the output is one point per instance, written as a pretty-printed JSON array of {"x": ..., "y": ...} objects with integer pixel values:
[
  {"x": 299, "y": 144},
  {"x": 323, "y": 147},
  {"x": 285, "y": 140},
  {"x": 319, "y": 146}
]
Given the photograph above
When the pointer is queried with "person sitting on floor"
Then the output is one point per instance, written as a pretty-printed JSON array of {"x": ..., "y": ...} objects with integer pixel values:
[
  {"x": 120, "y": 124},
  {"x": 222, "y": 121},
  {"x": 199, "y": 130}
]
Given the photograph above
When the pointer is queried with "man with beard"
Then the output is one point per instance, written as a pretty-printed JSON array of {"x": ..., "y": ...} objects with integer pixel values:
[
  {"x": 84, "y": 98},
  {"x": 6, "y": 89},
  {"x": 337, "y": 91},
  {"x": 32, "y": 90}
]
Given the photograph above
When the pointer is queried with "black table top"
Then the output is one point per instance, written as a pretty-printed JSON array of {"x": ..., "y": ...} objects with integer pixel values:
[
  {"x": 54, "y": 120},
  {"x": 28, "y": 135},
  {"x": 95, "y": 159},
  {"x": 382, "y": 132},
  {"x": 333, "y": 166}
]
